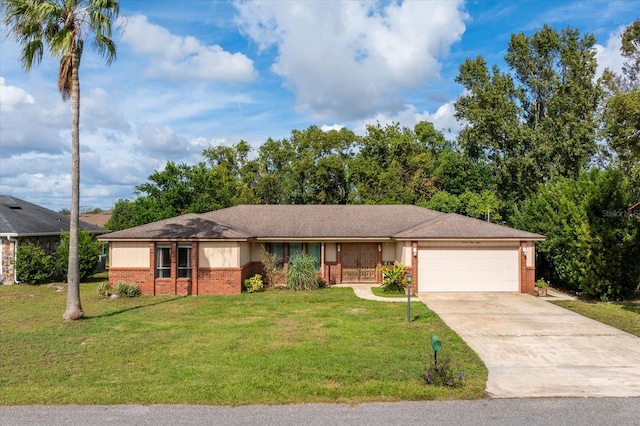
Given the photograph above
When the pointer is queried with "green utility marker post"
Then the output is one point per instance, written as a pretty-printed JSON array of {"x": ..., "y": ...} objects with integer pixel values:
[
  {"x": 436, "y": 344},
  {"x": 409, "y": 278}
]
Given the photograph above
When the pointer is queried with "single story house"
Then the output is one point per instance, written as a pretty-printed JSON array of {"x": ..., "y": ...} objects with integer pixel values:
[
  {"x": 213, "y": 253},
  {"x": 22, "y": 222}
]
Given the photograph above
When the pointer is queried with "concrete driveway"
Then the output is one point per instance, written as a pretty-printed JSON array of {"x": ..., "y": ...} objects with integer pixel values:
[{"x": 533, "y": 348}]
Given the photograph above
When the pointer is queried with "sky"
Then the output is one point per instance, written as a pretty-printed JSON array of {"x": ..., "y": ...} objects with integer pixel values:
[{"x": 194, "y": 74}]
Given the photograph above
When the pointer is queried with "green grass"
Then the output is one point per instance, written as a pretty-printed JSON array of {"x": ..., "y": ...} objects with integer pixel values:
[
  {"x": 276, "y": 347},
  {"x": 624, "y": 316},
  {"x": 379, "y": 291}
]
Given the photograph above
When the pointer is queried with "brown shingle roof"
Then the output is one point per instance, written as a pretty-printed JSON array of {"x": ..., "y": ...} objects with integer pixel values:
[
  {"x": 315, "y": 222},
  {"x": 186, "y": 227},
  {"x": 99, "y": 219},
  {"x": 329, "y": 221},
  {"x": 455, "y": 226}
]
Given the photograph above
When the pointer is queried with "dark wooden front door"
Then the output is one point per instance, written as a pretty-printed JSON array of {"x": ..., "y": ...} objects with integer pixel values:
[{"x": 359, "y": 262}]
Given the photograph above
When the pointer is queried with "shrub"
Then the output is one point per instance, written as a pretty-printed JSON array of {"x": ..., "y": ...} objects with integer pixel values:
[
  {"x": 33, "y": 264},
  {"x": 270, "y": 264},
  {"x": 88, "y": 254},
  {"x": 394, "y": 278},
  {"x": 541, "y": 283},
  {"x": 301, "y": 274},
  {"x": 104, "y": 290},
  {"x": 127, "y": 290},
  {"x": 442, "y": 374},
  {"x": 254, "y": 284}
]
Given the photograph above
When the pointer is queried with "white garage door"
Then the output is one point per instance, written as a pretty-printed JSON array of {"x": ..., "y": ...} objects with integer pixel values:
[{"x": 461, "y": 269}]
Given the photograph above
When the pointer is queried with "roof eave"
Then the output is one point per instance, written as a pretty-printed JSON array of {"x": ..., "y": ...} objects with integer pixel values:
[
  {"x": 44, "y": 234},
  {"x": 479, "y": 239}
]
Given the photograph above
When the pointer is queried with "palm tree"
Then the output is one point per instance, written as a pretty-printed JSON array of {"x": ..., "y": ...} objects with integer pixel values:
[{"x": 60, "y": 27}]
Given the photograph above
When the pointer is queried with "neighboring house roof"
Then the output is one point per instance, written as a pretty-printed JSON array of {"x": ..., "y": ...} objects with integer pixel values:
[
  {"x": 99, "y": 219},
  {"x": 19, "y": 218},
  {"x": 320, "y": 222}
]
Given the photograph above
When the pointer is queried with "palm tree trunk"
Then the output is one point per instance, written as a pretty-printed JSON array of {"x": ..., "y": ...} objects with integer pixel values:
[{"x": 74, "y": 309}]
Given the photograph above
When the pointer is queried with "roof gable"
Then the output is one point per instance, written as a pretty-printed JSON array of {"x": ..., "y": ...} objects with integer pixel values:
[{"x": 20, "y": 218}]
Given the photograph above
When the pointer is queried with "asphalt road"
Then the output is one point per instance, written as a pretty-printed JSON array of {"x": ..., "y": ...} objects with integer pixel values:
[{"x": 511, "y": 412}]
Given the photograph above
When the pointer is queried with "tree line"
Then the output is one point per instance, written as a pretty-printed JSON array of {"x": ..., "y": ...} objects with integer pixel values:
[{"x": 545, "y": 147}]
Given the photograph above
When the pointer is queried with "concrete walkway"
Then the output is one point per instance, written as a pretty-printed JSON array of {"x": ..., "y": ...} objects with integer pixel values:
[{"x": 363, "y": 291}]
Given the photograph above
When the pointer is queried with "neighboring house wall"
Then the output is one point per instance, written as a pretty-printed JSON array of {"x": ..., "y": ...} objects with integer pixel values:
[
  {"x": 7, "y": 269},
  {"x": 8, "y": 261}
]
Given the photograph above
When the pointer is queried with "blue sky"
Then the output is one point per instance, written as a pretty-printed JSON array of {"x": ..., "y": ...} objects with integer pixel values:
[{"x": 194, "y": 74}]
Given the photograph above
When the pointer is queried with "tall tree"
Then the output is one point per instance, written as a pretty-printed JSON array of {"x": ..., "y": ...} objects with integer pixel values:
[
  {"x": 60, "y": 27},
  {"x": 309, "y": 167},
  {"x": 593, "y": 243},
  {"x": 621, "y": 109},
  {"x": 394, "y": 165},
  {"x": 539, "y": 119}
]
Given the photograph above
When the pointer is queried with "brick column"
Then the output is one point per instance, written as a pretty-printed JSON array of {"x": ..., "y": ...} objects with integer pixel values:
[
  {"x": 174, "y": 268},
  {"x": 339, "y": 263},
  {"x": 378, "y": 263},
  {"x": 527, "y": 274},
  {"x": 195, "y": 266},
  {"x": 152, "y": 269}
]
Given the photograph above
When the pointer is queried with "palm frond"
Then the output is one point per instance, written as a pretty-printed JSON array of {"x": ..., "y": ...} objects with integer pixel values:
[
  {"x": 60, "y": 26},
  {"x": 65, "y": 74}
]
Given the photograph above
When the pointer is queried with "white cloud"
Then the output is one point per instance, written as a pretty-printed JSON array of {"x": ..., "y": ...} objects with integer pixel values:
[
  {"x": 351, "y": 59},
  {"x": 609, "y": 56},
  {"x": 327, "y": 128},
  {"x": 179, "y": 57},
  {"x": 443, "y": 119},
  {"x": 98, "y": 112},
  {"x": 160, "y": 139},
  {"x": 30, "y": 125},
  {"x": 12, "y": 96}
]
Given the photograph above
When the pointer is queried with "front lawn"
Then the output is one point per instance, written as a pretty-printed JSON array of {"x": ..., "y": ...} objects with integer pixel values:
[
  {"x": 277, "y": 347},
  {"x": 624, "y": 316}
]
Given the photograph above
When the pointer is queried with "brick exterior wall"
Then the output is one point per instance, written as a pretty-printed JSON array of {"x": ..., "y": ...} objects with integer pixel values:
[
  {"x": 333, "y": 273},
  {"x": 137, "y": 276},
  {"x": 230, "y": 280},
  {"x": 220, "y": 281}
]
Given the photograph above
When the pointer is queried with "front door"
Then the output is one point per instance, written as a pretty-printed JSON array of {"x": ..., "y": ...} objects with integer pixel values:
[{"x": 359, "y": 262}]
